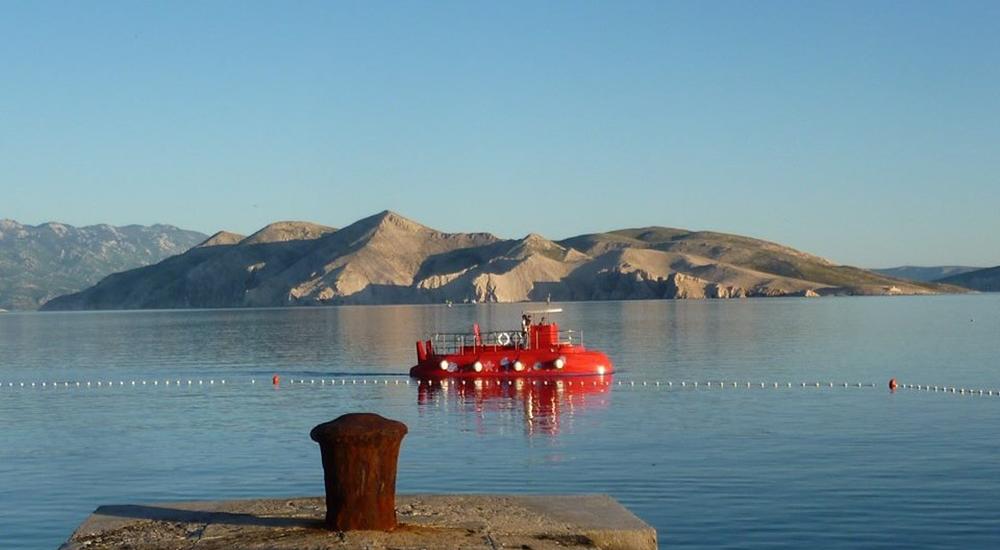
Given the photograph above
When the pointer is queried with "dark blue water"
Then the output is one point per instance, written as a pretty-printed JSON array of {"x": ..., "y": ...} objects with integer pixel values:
[{"x": 708, "y": 467}]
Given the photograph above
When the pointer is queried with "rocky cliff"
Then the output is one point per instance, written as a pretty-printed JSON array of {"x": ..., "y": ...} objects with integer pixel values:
[
  {"x": 38, "y": 263},
  {"x": 387, "y": 258}
]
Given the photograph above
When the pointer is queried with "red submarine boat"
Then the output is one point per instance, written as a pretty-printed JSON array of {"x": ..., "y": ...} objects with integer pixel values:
[{"x": 537, "y": 349}]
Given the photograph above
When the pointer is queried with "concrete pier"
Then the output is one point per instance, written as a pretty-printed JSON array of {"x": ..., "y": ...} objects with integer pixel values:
[{"x": 470, "y": 522}]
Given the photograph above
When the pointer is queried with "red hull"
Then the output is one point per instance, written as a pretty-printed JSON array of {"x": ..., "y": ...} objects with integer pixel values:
[
  {"x": 538, "y": 351},
  {"x": 541, "y": 363}
]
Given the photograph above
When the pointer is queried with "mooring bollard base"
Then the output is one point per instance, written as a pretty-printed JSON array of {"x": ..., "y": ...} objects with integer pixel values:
[
  {"x": 360, "y": 452},
  {"x": 541, "y": 522}
]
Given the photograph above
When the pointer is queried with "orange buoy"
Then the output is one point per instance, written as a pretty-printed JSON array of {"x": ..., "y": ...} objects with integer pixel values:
[
  {"x": 276, "y": 380},
  {"x": 892, "y": 384}
]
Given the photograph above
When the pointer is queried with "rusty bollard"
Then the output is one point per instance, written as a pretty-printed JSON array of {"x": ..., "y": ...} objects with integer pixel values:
[{"x": 360, "y": 453}]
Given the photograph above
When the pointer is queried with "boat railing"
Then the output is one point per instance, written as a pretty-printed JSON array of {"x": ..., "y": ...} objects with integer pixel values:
[{"x": 445, "y": 343}]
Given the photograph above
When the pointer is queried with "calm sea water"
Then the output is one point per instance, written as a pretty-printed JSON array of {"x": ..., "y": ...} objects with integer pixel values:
[{"x": 707, "y": 466}]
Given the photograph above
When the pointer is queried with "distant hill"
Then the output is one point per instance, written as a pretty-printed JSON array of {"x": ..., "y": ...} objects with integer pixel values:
[
  {"x": 924, "y": 274},
  {"x": 983, "y": 280},
  {"x": 387, "y": 258},
  {"x": 38, "y": 263}
]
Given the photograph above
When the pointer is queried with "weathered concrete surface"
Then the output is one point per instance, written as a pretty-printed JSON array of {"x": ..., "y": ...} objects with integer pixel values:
[{"x": 425, "y": 521}]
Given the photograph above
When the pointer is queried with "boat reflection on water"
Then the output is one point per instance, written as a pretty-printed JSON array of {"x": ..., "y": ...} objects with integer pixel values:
[{"x": 546, "y": 405}]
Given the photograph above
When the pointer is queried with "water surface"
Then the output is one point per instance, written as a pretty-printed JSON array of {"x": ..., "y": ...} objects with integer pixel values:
[{"x": 707, "y": 466}]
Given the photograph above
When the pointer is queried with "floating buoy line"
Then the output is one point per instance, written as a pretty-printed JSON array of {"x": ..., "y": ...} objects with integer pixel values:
[{"x": 620, "y": 384}]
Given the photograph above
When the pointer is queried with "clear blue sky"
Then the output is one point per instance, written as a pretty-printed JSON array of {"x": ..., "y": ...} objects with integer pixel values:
[{"x": 867, "y": 132}]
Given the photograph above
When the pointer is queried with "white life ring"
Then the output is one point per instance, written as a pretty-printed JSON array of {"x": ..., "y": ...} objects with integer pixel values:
[{"x": 503, "y": 338}]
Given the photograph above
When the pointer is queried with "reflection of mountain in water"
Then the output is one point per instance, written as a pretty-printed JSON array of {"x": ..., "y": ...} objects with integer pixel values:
[{"x": 545, "y": 405}]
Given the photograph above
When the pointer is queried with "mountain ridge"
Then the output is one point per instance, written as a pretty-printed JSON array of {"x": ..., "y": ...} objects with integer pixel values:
[
  {"x": 387, "y": 258},
  {"x": 924, "y": 273},
  {"x": 983, "y": 280},
  {"x": 40, "y": 262}
]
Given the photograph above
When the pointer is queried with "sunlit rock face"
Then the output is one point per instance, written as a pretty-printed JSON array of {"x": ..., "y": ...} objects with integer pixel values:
[{"x": 389, "y": 259}]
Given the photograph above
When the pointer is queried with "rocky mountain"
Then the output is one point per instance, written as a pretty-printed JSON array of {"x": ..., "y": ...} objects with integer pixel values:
[
  {"x": 924, "y": 274},
  {"x": 387, "y": 258},
  {"x": 38, "y": 263},
  {"x": 983, "y": 280}
]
